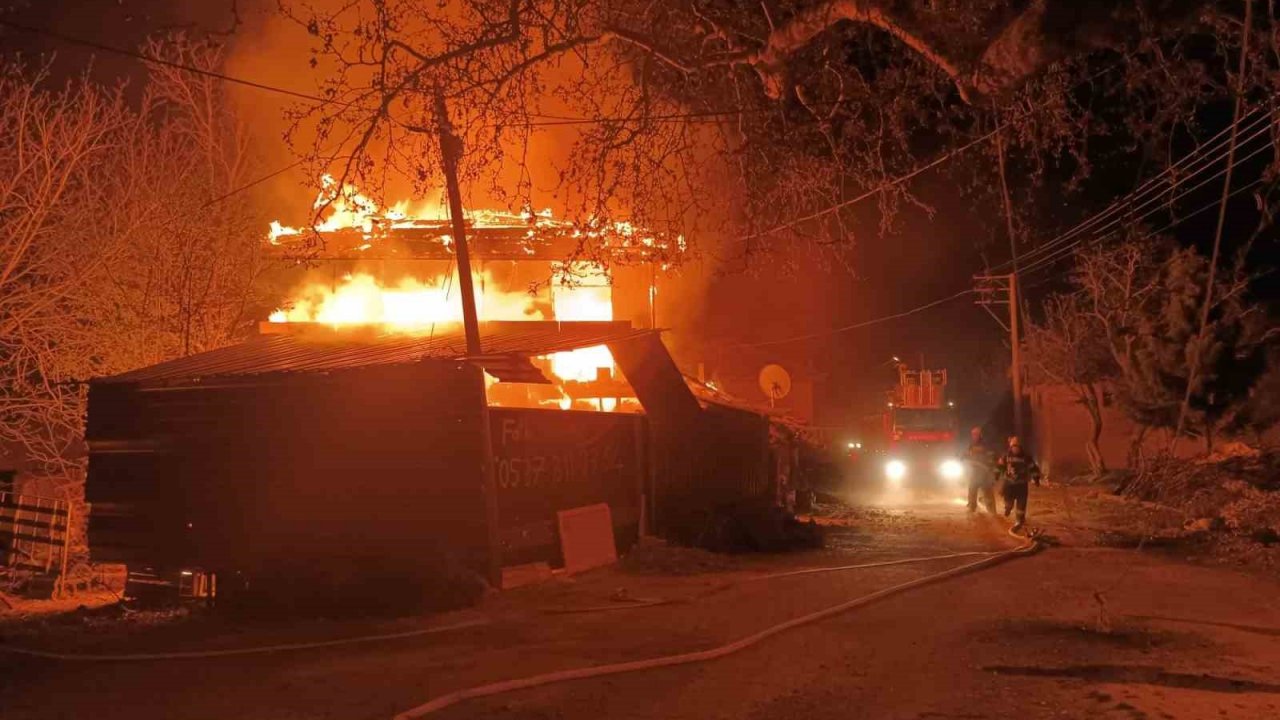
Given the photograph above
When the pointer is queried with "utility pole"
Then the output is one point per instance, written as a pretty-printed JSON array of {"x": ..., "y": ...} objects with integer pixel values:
[
  {"x": 1015, "y": 304},
  {"x": 1194, "y": 370},
  {"x": 1015, "y": 355},
  {"x": 1003, "y": 290},
  {"x": 450, "y": 150}
]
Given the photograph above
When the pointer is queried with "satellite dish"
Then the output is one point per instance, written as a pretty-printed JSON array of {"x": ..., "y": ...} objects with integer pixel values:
[{"x": 775, "y": 382}]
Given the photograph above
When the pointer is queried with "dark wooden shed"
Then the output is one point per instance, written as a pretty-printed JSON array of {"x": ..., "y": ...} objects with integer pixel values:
[
  {"x": 359, "y": 456},
  {"x": 352, "y": 454}
]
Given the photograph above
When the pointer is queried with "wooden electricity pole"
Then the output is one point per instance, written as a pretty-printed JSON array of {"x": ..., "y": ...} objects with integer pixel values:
[
  {"x": 1015, "y": 306},
  {"x": 1003, "y": 290},
  {"x": 1015, "y": 358},
  {"x": 450, "y": 151}
]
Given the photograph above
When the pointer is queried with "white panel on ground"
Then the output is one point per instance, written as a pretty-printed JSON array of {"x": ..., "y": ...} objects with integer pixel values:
[{"x": 586, "y": 537}]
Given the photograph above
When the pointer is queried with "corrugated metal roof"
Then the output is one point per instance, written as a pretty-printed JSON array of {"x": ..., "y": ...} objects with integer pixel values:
[{"x": 321, "y": 349}]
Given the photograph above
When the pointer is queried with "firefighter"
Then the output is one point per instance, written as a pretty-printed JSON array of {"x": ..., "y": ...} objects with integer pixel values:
[
  {"x": 981, "y": 461},
  {"x": 1018, "y": 470}
]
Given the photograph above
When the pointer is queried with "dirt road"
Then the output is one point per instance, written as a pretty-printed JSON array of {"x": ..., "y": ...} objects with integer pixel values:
[{"x": 1076, "y": 631}]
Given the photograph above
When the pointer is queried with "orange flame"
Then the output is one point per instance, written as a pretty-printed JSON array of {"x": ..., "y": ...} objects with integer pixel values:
[
  {"x": 349, "y": 209},
  {"x": 410, "y": 306},
  {"x": 414, "y": 306},
  {"x": 417, "y": 306}
]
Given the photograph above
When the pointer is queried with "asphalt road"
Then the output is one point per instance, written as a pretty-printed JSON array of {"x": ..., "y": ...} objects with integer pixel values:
[{"x": 1075, "y": 631}]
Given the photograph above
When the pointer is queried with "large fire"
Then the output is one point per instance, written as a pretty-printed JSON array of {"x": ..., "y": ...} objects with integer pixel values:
[
  {"x": 414, "y": 305},
  {"x": 408, "y": 306},
  {"x": 349, "y": 210}
]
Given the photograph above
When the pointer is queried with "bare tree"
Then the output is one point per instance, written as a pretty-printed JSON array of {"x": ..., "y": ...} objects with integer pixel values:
[
  {"x": 195, "y": 270},
  {"x": 52, "y": 210},
  {"x": 1066, "y": 349},
  {"x": 112, "y": 254},
  {"x": 764, "y": 119},
  {"x": 1129, "y": 326}
]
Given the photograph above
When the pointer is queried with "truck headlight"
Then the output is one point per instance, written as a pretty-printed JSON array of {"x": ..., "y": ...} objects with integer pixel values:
[
  {"x": 895, "y": 470},
  {"x": 951, "y": 469}
]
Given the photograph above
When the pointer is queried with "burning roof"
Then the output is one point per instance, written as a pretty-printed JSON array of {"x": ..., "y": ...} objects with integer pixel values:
[
  {"x": 320, "y": 349},
  {"x": 356, "y": 227}
]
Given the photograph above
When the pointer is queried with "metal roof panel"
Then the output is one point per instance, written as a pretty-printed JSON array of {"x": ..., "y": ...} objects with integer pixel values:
[{"x": 322, "y": 349}]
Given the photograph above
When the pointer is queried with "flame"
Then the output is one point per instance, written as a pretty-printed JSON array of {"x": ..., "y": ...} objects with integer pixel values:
[
  {"x": 584, "y": 292},
  {"x": 579, "y": 292},
  {"x": 412, "y": 305},
  {"x": 582, "y": 365},
  {"x": 348, "y": 209},
  {"x": 589, "y": 297},
  {"x": 417, "y": 306},
  {"x": 278, "y": 231}
]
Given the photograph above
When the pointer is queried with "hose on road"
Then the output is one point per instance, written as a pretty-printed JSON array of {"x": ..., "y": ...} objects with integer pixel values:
[
  {"x": 881, "y": 563},
  {"x": 265, "y": 649},
  {"x": 1031, "y": 545},
  {"x": 990, "y": 558},
  {"x": 656, "y": 602}
]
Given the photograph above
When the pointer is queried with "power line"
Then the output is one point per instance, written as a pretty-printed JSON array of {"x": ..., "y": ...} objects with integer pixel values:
[
  {"x": 1214, "y": 146},
  {"x": 143, "y": 57},
  {"x": 548, "y": 120},
  {"x": 904, "y": 178},
  {"x": 555, "y": 120},
  {"x": 1122, "y": 207},
  {"x": 253, "y": 183},
  {"x": 1039, "y": 263},
  {"x": 1110, "y": 228},
  {"x": 864, "y": 323},
  {"x": 879, "y": 188},
  {"x": 1050, "y": 255},
  {"x": 1217, "y": 236},
  {"x": 1245, "y": 188},
  {"x": 1112, "y": 211}
]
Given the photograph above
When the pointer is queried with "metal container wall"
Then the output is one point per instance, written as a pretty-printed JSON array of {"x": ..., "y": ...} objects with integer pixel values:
[
  {"x": 715, "y": 464},
  {"x": 375, "y": 468},
  {"x": 551, "y": 460}
]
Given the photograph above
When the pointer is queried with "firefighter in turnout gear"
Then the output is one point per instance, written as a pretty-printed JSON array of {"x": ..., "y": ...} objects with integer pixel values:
[
  {"x": 1018, "y": 471},
  {"x": 982, "y": 472}
]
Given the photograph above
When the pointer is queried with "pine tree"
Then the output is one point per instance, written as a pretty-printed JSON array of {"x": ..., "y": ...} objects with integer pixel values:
[{"x": 1154, "y": 324}]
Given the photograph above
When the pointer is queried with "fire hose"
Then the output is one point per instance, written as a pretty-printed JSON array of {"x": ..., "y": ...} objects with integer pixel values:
[
  {"x": 264, "y": 649},
  {"x": 653, "y": 602},
  {"x": 990, "y": 558},
  {"x": 1031, "y": 545}
]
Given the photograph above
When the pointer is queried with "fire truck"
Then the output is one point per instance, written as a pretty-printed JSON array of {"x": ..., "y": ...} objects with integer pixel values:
[{"x": 915, "y": 445}]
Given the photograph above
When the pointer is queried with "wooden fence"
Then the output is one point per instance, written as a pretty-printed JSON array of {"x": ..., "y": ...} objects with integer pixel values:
[{"x": 35, "y": 535}]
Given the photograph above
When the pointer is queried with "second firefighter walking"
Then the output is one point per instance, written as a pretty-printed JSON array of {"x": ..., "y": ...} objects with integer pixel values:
[{"x": 1018, "y": 470}]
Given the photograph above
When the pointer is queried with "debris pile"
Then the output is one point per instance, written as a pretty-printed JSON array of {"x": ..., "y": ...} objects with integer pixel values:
[
  {"x": 745, "y": 527},
  {"x": 1235, "y": 490},
  {"x": 757, "y": 527}
]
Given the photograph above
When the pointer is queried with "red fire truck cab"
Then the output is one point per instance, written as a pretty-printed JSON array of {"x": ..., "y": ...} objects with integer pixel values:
[{"x": 920, "y": 438}]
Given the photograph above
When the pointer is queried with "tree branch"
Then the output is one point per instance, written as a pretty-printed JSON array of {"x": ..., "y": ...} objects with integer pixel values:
[{"x": 797, "y": 32}]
